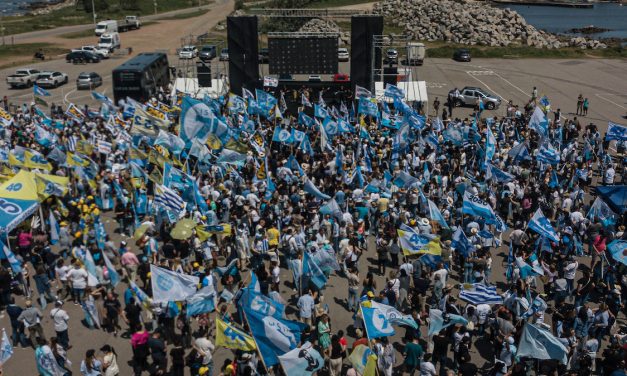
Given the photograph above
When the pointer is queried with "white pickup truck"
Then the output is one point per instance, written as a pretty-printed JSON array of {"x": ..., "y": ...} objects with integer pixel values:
[
  {"x": 23, "y": 77},
  {"x": 102, "y": 52}
]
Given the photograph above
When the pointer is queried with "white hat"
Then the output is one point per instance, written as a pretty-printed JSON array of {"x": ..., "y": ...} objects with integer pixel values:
[
  {"x": 474, "y": 230},
  {"x": 424, "y": 221}
]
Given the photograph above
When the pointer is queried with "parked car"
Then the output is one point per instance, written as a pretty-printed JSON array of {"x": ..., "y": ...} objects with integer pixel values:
[
  {"x": 342, "y": 54},
  {"x": 264, "y": 56},
  {"x": 224, "y": 54},
  {"x": 88, "y": 81},
  {"x": 208, "y": 52},
  {"x": 468, "y": 97},
  {"x": 76, "y": 57},
  {"x": 102, "y": 52},
  {"x": 461, "y": 54},
  {"x": 391, "y": 56},
  {"x": 341, "y": 77},
  {"x": 188, "y": 52},
  {"x": 315, "y": 78},
  {"x": 52, "y": 79},
  {"x": 23, "y": 77}
]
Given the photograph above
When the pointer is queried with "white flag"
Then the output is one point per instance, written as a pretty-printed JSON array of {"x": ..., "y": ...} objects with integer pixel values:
[
  {"x": 169, "y": 286},
  {"x": 6, "y": 349}
]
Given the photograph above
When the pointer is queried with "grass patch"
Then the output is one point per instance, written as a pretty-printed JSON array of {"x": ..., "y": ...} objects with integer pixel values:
[
  {"x": 29, "y": 49},
  {"x": 335, "y": 3},
  {"x": 184, "y": 16},
  {"x": 442, "y": 50},
  {"x": 79, "y": 34},
  {"x": 72, "y": 15}
]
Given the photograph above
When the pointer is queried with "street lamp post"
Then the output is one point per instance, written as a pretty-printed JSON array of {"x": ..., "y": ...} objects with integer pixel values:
[
  {"x": 155, "y": 4},
  {"x": 93, "y": 11}
]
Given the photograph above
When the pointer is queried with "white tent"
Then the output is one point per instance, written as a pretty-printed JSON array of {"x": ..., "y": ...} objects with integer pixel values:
[
  {"x": 190, "y": 86},
  {"x": 415, "y": 91}
]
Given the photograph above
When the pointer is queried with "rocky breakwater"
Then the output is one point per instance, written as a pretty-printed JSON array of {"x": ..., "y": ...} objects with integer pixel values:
[
  {"x": 471, "y": 23},
  {"x": 317, "y": 25}
]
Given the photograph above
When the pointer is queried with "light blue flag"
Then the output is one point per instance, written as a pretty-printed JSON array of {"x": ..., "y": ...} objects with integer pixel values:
[
  {"x": 6, "y": 349},
  {"x": 87, "y": 259},
  {"x": 616, "y": 132},
  {"x": 538, "y": 122},
  {"x": 377, "y": 325},
  {"x": 16, "y": 265},
  {"x": 40, "y": 91},
  {"x": 330, "y": 126},
  {"x": 320, "y": 112},
  {"x": 54, "y": 229},
  {"x": 392, "y": 91},
  {"x": 540, "y": 224},
  {"x": 547, "y": 154},
  {"x": 101, "y": 98},
  {"x": 274, "y": 336},
  {"x": 313, "y": 271},
  {"x": 538, "y": 343},
  {"x": 231, "y": 157},
  {"x": 236, "y": 104},
  {"x": 310, "y": 188},
  {"x": 305, "y": 120},
  {"x": 519, "y": 153},
  {"x": 497, "y": 174},
  {"x": 197, "y": 120},
  {"x": 169, "y": 286},
  {"x": 473, "y": 205},
  {"x": 282, "y": 135},
  {"x": 344, "y": 127},
  {"x": 367, "y": 107},
  {"x": 302, "y": 361},
  {"x": 114, "y": 276},
  {"x": 305, "y": 146},
  {"x": 436, "y": 215},
  {"x": 203, "y": 301},
  {"x": 170, "y": 141},
  {"x": 140, "y": 294},
  {"x": 601, "y": 210},
  {"x": 266, "y": 101},
  {"x": 479, "y": 293},
  {"x": 461, "y": 244},
  {"x": 453, "y": 135},
  {"x": 43, "y": 137},
  {"x": 394, "y": 316},
  {"x": 437, "y": 321},
  {"x": 325, "y": 259},
  {"x": 46, "y": 363},
  {"x": 490, "y": 146},
  {"x": 404, "y": 180},
  {"x": 331, "y": 208},
  {"x": 255, "y": 301},
  {"x": 298, "y": 136},
  {"x": 618, "y": 250}
]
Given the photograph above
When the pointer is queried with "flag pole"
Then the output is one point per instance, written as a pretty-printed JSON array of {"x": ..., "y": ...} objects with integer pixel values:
[
  {"x": 256, "y": 344},
  {"x": 365, "y": 326}
]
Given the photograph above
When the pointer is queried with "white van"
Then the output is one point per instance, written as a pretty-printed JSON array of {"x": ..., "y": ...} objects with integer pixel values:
[
  {"x": 109, "y": 41},
  {"x": 109, "y": 26}
]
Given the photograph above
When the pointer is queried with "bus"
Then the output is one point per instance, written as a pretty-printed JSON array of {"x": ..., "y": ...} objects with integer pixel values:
[{"x": 141, "y": 77}]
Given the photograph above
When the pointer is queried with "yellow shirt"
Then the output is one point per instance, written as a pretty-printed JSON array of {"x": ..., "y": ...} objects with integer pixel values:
[{"x": 273, "y": 237}]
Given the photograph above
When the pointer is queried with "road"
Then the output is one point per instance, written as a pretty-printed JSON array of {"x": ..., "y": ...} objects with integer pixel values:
[{"x": 33, "y": 36}]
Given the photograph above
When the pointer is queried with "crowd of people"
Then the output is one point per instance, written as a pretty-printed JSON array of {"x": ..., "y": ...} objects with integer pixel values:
[{"x": 250, "y": 200}]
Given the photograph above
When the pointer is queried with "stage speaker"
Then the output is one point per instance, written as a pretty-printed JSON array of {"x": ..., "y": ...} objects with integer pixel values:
[
  {"x": 203, "y": 73},
  {"x": 363, "y": 29},
  {"x": 390, "y": 75},
  {"x": 243, "y": 53}
]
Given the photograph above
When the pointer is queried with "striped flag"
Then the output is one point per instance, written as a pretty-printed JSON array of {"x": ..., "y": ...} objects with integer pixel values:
[
  {"x": 104, "y": 147},
  {"x": 16, "y": 264},
  {"x": 168, "y": 199},
  {"x": 71, "y": 143},
  {"x": 478, "y": 293}
]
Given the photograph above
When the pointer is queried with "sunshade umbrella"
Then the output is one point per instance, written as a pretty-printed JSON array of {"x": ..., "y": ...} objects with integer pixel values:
[
  {"x": 183, "y": 229},
  {"x": 140, "y": 231}
]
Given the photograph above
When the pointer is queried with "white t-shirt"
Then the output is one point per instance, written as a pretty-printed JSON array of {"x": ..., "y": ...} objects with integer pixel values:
[
  {"x": 61, "y": 272},
  {"x": 206, "y": 347},
  {"x": 60, "y": 319},
  {"x": 276, "y": 271},
  {"x": 78, "y": 278},
  {"x": 427, "y": 369}
]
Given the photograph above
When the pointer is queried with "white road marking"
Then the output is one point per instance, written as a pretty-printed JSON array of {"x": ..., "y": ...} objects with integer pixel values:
[
  {"x": 67, "y": 94},
  {"x": 436, "y": 85},
  {"x": 486, "y": 85},
  {"x": 481, "y": 73},
  {"x": 611, "y": 101},
  {"x": 514, "y": 86}
]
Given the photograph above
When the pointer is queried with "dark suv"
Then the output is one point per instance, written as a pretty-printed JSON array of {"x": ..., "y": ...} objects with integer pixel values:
[
  {"x": 82, "y": 57},
  {"x": 208, "y": 52},
  {"x": 461, "y": 54}
]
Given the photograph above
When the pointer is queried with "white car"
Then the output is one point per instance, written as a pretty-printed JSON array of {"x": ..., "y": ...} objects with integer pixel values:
[
  {"x": 188, "y": 52},
  {"x": 51, "y": 79},
  {"x": 103, "y": 52},
  {"x": 342, "y": 54}
]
